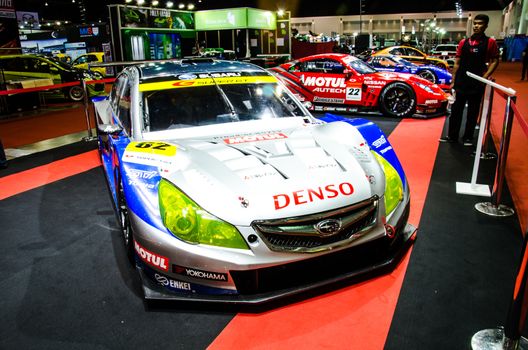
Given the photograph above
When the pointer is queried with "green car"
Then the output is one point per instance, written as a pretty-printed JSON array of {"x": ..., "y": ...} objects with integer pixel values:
[{"x": 43, "y": 70}]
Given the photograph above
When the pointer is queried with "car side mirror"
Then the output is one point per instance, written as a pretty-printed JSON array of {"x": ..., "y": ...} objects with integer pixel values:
[
  {"x": 109, "y": 129},
  {"x": 348, "y": 73}
]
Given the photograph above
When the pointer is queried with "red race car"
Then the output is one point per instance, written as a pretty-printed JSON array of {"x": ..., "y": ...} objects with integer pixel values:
[{"x": 343, "y": 83}]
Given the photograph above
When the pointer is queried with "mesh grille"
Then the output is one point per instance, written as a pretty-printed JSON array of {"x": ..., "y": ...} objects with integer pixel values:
[{"x": 301, "y": 234}]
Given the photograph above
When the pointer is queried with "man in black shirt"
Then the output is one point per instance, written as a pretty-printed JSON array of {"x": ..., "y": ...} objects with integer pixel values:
[{"x": 478, "y": 55}]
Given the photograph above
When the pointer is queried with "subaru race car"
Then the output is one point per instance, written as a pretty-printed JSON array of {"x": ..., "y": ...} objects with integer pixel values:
[
  {"x": 227, "y": 189},
  {"x": 343, "y": 83},
  {"x": 393, "y": 63}
]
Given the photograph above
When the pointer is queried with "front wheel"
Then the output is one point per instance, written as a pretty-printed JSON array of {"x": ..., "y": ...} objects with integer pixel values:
[
  {"x": 427, "y": 74},
  {"x": 124, "y": 219},
  {"x": 76, "y": 93},
  {"x": 397, "y": 100}
]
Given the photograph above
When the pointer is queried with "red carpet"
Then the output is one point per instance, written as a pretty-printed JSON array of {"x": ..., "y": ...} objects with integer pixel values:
[
  {"x": 42, "y": 175},
  {"x": 360, "y": 314}
]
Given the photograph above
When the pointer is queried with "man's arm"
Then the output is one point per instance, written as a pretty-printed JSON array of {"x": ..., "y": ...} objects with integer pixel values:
[
  {"x": 494, "y": 60},
  {"x": 491, "y": 68}
]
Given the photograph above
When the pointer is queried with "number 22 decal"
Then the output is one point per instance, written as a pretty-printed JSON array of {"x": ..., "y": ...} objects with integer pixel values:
[{"x": 353, "y": 94}]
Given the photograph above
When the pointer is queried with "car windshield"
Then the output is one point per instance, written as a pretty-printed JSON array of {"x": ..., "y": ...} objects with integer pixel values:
[
  {"x": 359, "y": 66},
  {"x": 214, "y": 104},
  {"x": 445, "y": 48}
]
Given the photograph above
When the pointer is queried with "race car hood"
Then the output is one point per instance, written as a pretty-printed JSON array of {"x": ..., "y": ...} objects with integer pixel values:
[{"x": 283, "y": 172}]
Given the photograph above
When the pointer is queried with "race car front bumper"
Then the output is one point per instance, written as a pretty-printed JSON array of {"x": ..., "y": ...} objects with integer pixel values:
[{"x": 268, "y": 284}]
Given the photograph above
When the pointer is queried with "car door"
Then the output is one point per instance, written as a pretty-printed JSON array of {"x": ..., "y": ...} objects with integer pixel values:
[{"x": 324, "y": 78}]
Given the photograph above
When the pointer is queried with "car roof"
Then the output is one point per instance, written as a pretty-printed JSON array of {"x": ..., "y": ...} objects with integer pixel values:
[{"x": 196, "y": 66}]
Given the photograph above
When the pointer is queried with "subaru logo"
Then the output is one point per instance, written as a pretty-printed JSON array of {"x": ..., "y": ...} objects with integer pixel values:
[{"x": 328, "y": 227}]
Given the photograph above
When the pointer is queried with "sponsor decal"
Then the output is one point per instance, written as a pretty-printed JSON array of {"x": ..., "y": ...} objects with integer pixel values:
[
  {"x": 379, "y": 142},
  {"x": 328, "y": 99},
  {"x": 141, "y": 174},
  {"x": 259, "y": 175},
  {"x": 322, "y": 166},
  {"x": 187, "y": 76},
  {"x": 150, "y": 153},
  {"x": 318, "y": 108},
  {"x": 183, "y": 83},
  {"x": 208, "y": 80},
  {"x": 253, "y": 138},
  {"x": 431, "y": 102},
  {"x": 329, "y": 90},
  {"x": 206, "y": 275},
  {"x": 169, "y": 282},
  {"x": 323, "y": 81},
  {"x": 151, "y": 258},
  {"x": 353, "y": 94},
  {"x": 220, "y": 75},
  {"x": 138, "y": 183},
  {"x": 305, "y": 196},
  {"x": 243, "y": 202},
  {"x": 386, "y": 149},
  {"x": 376, "y": 82}
]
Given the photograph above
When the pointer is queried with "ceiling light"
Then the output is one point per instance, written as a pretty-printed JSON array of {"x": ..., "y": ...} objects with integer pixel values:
[
  {"x": 170, "y": 4},
  {"x": 155, "y": 3},
  {"x": 140, "y": 2},
  {"x": 180, "y": 6},
  {"x": 190, "y": 7}
]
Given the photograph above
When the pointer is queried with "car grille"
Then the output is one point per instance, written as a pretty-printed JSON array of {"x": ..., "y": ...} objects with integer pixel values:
[
  {"x": 299, "y": 274},
  {"x": 304, "y": 234}
]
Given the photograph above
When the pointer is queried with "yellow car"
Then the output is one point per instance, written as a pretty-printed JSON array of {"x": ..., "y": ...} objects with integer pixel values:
[
  {"x": 414, "y": 55},
  {"x": 83, "y": 60}
]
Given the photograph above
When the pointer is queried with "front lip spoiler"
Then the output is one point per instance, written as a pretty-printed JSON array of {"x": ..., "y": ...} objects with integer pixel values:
[{"x": 152, "y": 291}]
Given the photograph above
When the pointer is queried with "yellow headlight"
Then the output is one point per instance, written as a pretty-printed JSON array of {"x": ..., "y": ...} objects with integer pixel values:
[{"x": 188, "y": 221}]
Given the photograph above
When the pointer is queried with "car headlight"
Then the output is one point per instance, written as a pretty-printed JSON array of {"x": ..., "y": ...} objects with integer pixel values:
[
  {"x": 189, "y": 222},
  {"x": 393, "y": 184},
  {"x": 425, "y": 87}
]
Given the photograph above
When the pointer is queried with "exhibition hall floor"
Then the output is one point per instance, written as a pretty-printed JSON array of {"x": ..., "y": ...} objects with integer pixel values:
[{"x": 65, "y": 282}]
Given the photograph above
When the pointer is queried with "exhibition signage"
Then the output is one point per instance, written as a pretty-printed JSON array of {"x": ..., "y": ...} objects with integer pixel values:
[
  {"x": 260, "y": 19},
  {"x": 236, "y": 18}
]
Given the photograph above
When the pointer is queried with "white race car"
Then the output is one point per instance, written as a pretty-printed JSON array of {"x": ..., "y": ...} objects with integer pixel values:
[{"x": 227, "y": 189}]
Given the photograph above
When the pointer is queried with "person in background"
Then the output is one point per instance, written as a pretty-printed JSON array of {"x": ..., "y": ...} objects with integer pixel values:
[
  {"x": 524, "y": 62},
  {"x": 479, "y": 55}
]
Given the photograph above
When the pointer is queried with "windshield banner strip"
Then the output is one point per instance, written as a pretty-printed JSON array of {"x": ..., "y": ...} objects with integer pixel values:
[{"x": 174, "y": 84}]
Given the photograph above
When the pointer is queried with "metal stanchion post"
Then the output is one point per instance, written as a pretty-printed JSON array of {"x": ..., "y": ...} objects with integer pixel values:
[
  {"x": 494, "y": 208},
  {"x": 90, "y": 136},
  {"x": 485, "y": 146},
  {"x": 509, "y": 337}
]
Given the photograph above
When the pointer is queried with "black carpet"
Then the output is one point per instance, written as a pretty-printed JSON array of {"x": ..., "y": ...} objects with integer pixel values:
[
  {"x": 65, "y": 282},
  {"x": 462, "y": 268}
]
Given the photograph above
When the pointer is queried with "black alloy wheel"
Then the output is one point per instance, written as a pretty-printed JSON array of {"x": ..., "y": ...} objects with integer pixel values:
[
  {"x": 397, "y": 100},
  {"x": 124, "y": 219},
  {"x": 427, "y": 74},
  {"x": 76, "y": 93}
]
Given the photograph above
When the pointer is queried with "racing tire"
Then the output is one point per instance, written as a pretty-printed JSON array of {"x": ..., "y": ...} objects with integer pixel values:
[
  {"x": 428, "y": 74},
  {"x": 124, "y": 219},
  {"x": 76, "y": 93},
  {"x": 397, "y": 100}
]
